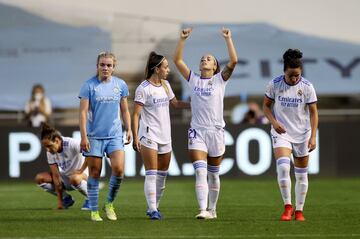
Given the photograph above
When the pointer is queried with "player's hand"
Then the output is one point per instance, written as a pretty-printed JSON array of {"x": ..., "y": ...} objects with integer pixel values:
[
  {"x": 226, "y": 32},
  {"x": 84, "y": 144},
  {"x": 128, "y": 137},
  {"x": 312, "y": 144},
  {"x": 136, "y": 145},
  {"x": 185, "y": 33},
  {"x": 279, "y": 128}
]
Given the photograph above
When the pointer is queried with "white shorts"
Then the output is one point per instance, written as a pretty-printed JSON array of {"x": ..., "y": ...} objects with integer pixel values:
[
  {"x": 66, "y": 181},
  {"x": 211, "y": 141},
  {"x": 298, "y": 149},
  {"x": 160, "y": 148}
]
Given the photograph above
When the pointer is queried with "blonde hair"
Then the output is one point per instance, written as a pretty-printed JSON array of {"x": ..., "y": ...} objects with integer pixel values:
[{"x": 105, "y": 54}]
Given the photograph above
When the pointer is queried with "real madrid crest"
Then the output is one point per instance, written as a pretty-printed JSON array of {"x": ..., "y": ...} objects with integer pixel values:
[{"x": 299, "y": 92}]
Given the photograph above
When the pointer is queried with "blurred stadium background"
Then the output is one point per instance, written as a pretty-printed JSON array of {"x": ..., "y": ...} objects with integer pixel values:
[{"x": 55, "y": 43}]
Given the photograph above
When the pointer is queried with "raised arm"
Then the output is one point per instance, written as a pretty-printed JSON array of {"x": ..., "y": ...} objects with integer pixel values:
[
  {"x": 135, "y": 126},
  {"x": 178, "y": 58},
  {"x": 126, "y": 119},
  {"x": 84, "y": 107},
  {"x": 230, "y": 66}
]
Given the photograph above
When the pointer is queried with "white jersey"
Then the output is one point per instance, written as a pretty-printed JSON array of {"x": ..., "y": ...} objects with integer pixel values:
[
  {"x": 207, "y": 101},
  {"x": 291, "y": 107},
  {"x": 70, "y": 159},
  {"x": 155, "y": 116}
]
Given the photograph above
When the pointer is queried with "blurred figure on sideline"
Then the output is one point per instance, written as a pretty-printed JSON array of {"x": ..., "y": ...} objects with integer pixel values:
[
  {"x": 254, "y": 115},
  {"x": 38, "y": 108}
]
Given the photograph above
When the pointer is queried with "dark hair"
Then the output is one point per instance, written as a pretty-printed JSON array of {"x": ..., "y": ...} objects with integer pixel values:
[
  {"x": 36, "y": 86},
  {"x": 292, "y": 59},
  {"x": 48, "y": 132},
  {"x": 154, "y": 60}
]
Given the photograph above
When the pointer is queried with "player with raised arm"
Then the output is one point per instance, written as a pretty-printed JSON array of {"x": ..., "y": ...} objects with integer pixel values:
[{"x": 206, "y": 141}]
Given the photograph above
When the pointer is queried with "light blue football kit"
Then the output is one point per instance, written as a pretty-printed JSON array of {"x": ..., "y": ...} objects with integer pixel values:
[{"x": 104, "y": 128}]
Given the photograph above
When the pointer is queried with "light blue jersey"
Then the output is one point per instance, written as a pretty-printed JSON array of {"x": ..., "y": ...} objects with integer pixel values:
[{"x": 104, "y": 107}]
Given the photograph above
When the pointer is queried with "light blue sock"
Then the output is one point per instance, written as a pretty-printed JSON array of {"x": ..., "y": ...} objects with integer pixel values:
[
  {"x": 114, "y": 185},
  {"x": 93, "y": 193}
]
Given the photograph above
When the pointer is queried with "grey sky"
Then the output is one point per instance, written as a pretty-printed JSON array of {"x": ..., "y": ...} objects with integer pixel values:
[{"x": 336, "y": 19}]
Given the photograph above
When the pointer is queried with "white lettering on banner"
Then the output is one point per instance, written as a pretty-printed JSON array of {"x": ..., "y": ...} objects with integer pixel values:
[
  {"x": 314, "y": 160},
  {"x": 16, "y": 156},
  {"x": 242, "y": 151},
  {"x": 227, "y": 163}
]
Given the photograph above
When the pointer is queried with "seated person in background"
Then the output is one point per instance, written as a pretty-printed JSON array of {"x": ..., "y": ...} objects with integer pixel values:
[
  {"x": 254, "y": 115},
  {"x": 67, "y": 168},
  {"x": 38, "y": 108}
]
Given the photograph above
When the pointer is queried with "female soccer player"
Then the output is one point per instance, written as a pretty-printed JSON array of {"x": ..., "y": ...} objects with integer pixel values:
[
  {"x": 153, "y": 138},
  {"x": 67, "y": 167},
  {"x": 206, "y": 135},
  {"x": 290, "y": 105},
  {"x": 103, "y": 99}
]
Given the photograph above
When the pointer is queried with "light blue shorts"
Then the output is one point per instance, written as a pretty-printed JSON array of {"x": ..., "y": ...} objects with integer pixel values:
[{"x": 98, "y": 147}]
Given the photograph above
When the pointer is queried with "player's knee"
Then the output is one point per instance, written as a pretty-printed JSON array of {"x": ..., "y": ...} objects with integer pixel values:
[
  {"x": 75, "y": 180},
  {"x": 39, "y": 179},
  {"x": 117, "y": 171}
]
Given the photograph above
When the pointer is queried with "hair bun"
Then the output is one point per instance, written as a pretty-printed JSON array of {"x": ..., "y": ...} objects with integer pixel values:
[
  {"x": 292, "y": 54},
  {"x": 153, "y": 54}
]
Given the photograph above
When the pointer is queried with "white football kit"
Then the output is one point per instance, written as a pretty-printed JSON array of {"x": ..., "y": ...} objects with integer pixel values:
[
  {"x": 69, "y": 160},
  {"x": 155, "y": 127},
  {"x": 291, "y": 110},
  {"x": 207, "y": 107}
]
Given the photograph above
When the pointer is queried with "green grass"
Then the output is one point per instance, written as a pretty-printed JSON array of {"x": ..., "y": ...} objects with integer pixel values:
[{"x": 246, "y": 209}]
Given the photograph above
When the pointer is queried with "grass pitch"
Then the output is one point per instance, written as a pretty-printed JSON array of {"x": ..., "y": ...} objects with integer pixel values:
[{"x": 246, "y": 209}]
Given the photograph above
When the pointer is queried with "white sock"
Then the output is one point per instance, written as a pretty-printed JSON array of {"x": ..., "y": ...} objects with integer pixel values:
[
  {"x": 82, "y": 188},
  {"x": 214, "y": 185},
  {"x": 301, "y": 187},
  {"x": 50, "y": 188},
  {"x": 150, "y": 189},
  {"x": 283, "y": 177},
  {"x": 160, "y": 185},
  {"x": 201, "y": 184}
]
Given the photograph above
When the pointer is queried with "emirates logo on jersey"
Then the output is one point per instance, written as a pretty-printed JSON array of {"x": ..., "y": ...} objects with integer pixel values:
[{"x": 299, "y": 92}]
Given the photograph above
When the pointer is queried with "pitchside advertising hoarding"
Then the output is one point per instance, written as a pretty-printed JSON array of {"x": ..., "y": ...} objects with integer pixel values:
[{"x": 248, "y": 152}]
